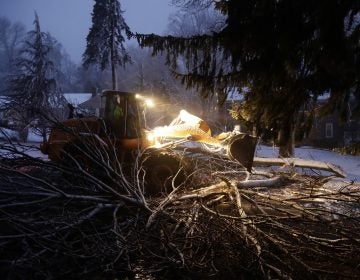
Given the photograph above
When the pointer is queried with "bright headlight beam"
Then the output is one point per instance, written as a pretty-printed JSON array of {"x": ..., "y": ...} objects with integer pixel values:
[{"x": 149, "y": 103}]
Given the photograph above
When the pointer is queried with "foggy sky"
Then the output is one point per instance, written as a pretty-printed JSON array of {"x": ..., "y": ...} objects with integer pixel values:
[{"x": 69, "y": 20}]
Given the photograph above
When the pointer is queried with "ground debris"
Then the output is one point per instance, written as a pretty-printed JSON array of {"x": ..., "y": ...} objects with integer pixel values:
[
  {"x": 222, "y": 223},
  {"x": 302, "y": 163}
]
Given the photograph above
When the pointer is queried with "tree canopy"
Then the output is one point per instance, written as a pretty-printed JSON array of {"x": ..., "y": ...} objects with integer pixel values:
[
  {"x": 105, "y": 41},
  {"x": 285, "y": 52},
  {"x": 11, "y": 36},
  {"x": 33, "y": 88}
]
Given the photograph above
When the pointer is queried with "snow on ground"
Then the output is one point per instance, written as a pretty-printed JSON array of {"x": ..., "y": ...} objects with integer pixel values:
[
  {"x": 8, "y": 133},
  {"x": 33, "y": 150},
  {"x": 350, "y": 164},
  {"x": 31, "y": 147},
  {"x": 13, "y": 135},
  {"x": 33, "y": 137}
]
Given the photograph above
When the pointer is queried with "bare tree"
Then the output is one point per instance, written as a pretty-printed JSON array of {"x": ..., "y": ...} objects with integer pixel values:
[{"x": 195, "y": 19}]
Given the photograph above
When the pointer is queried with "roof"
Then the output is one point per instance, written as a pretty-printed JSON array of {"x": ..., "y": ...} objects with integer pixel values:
[
  {"x": 77, "y": 98},
  {"x": 92, "y": 103}
]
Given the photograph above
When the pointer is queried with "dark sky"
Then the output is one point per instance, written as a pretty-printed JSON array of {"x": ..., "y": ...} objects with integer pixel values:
[{"x": 69, "y": 20}]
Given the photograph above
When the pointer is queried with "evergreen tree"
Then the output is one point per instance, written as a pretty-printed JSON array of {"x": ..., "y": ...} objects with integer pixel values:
[
  {"x": 33, "y": 90},
  {"x": 65, "y": 69},
  {"x": 285, "y": 52},
  {"x": 11, "y": 36},
  {"x": 105, "y": 41}
]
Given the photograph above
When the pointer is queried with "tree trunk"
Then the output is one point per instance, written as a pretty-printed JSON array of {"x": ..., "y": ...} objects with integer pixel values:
[
  {"x": 113, "y": 75},
  {"x": 23, "y": 134},
  {"x": 113, "y": 65},
  {"x": 43, "y": 134},
  {"x": 298, "y": 162},
  {"x": 286, "y": 139},
  {"x": 221, "y": 112}
]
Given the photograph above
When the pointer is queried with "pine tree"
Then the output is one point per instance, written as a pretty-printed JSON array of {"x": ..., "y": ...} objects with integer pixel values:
[
  {"x": 33, "y": 89},
  {"x": 11, "y": 36},
  {"x": 285, "y": 52},
  {"x": 105, "y": 41}
]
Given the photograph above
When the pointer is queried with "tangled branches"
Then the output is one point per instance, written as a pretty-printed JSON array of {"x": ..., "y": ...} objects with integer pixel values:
[
  {"x": 58, "y": 221},
  {"x": 292, "y": 227},
  {"x": 61, "y": 220}
]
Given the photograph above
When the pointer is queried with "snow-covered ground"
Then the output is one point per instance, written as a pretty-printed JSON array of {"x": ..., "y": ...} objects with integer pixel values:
[
  {"x": 13, "y": 135},
  {"x": 350, "y": 164}
]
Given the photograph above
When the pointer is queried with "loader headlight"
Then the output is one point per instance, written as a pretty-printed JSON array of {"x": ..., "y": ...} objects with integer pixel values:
[
  {"x": 147, "y": 101},
  {"x": 150, "y": 137},
  {"x": 161, "y": 131}
]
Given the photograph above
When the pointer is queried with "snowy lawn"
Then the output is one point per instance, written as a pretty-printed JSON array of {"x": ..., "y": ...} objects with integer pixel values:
[
  {"x": 13, "y": 135},
  {"x": 350, "y": 164}
]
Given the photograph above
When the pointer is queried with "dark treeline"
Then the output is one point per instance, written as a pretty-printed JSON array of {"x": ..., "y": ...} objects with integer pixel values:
[{"x": 282, "y": 55}]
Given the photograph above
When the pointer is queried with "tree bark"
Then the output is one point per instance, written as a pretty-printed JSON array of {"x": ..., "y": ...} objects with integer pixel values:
[
  {"x": 113, "y": 64},
  {"x": 302, "y": 163},
  {"x": 43, "y": 134},
  {"x": 286, "y": 139},
  {"x": 113, "y": 74}
]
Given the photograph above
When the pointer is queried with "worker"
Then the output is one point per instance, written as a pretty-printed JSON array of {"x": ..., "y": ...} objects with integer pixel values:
[{"x": 118, "y": 111}]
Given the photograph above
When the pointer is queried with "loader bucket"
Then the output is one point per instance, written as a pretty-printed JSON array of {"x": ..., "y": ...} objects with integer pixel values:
[{"x": 241, "y": 148}]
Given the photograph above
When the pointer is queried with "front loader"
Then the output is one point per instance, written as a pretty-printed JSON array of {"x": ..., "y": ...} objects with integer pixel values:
[{"x": 119, "y": 136}]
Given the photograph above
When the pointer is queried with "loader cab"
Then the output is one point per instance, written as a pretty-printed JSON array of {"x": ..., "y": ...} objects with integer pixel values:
[{"x": 121, "y": 114}]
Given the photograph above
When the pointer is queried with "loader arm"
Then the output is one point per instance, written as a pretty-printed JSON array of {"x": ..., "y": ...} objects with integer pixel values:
[{"x": 186, "y": 127}]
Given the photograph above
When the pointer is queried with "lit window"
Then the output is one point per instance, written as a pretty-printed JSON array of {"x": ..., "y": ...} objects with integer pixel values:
[{"x": 329, "y": 130}]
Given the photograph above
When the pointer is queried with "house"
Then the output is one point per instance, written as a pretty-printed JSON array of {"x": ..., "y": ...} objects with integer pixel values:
[
  {"x": 11, "y": 119},
  {"x": 92, "y": 105},
  {"x": 329, "y": 132},
  {"x": 75, "y": 100}
]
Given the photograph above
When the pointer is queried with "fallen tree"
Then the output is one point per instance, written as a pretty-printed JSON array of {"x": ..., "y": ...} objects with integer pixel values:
[
  {"x": 302, "y": 163},
  {"x": 282, "y": 162},
  {"x": 221, "y": 223}
]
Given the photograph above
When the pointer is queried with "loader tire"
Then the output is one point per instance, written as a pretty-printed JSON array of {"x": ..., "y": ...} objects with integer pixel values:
[
  {"x": 72, "y": 156},
  {"x": 162, "y": 173}
]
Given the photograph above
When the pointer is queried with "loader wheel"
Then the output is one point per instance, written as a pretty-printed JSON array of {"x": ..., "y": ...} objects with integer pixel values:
[
  {"x": 162, "y": 172},
  {"x": 76, "y": 156}
]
